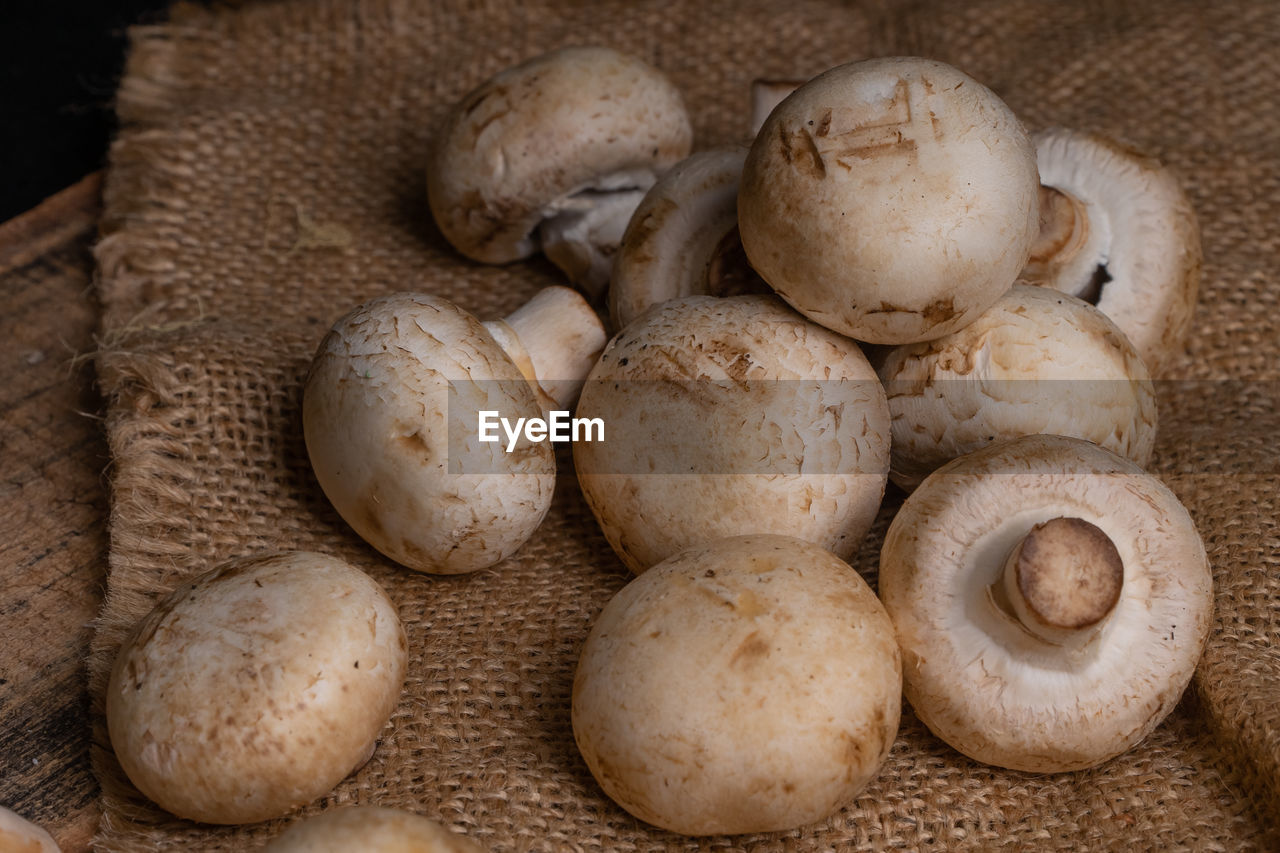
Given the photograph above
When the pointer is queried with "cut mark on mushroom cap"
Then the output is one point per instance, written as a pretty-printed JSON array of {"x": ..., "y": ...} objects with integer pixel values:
[
  {"x": 1065, "y": 575},
  {"x": 892, "y": 200}
]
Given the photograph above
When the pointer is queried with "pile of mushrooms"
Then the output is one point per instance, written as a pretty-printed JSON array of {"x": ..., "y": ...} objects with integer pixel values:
[{"x": 1044, "y": 600}]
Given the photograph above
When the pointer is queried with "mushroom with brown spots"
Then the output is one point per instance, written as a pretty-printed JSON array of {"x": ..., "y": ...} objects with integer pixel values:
[
  {"x": 892, "y": 200},
  {"x": 390, "y": 417},
  {"x": 553, "y": 155},
  {"x": 1117, "y": 230},
  {"x": 683, "y": 239},
  {"x": 1051, "y": 600},
  {"x": 727, "y": 416},
  {"x": 256, "y": 687},
  {"x": 1038, "y": 361},
  {"x": 369, "y": 829},
  {"x": 748, "y": 685},
  {"x": 19, "y": 835}
]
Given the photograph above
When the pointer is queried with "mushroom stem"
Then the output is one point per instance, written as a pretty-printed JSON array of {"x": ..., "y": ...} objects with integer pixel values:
[
  {"x": 555, "y": 339},
  {"x": 767, "y": 94},
  {"x": 582, "y": 232},
  {"x": 1062, "y": 579},
  {"x": 1070, "y": 247}
]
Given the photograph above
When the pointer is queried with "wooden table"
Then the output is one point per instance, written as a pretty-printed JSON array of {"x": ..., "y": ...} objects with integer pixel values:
[{"x": 53, "y": 512}]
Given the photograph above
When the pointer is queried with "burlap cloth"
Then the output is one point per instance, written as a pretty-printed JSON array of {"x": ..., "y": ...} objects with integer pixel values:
[{"x": 268, "y": 176}]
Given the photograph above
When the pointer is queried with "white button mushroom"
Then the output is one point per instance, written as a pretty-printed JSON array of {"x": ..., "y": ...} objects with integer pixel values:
[
  {"x": 1117, "y": 231},
  {"x": 891, "y": 200},
  {"x": 390, "y": 414},
  {"x": 18, "y": 835},
  {"x": 749, "y": 685},
  {"x": 256, "y": 687},
  {"x": 1038, "y": 361},
  {"x": 1051, "y": 600},
  {"x": 369, "y": 829},
  {"x": 683, "y": 239},
  {"x": 727, "y": 416},
  {"x": 554, "y": 155}
]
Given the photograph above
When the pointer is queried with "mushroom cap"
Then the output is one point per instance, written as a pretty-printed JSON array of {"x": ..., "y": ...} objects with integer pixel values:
[
  {"x": 989, "y": 687},
  {"x": 19, "y": 835},
  {"x": 1137, "y": 224},
  {"x": 732, "y": 415},
  {"x": 892, "y": 200},
  {"x": 764, "y": 662},
  {"x": 369, "y": 829},
  {"x": 1038, "y": 361},
  {"x": 256, "y": 687},
  {"x": 389, "y": 416},
  {"x": 573, "y": 120},
  {"x": 685, "y": 225}
]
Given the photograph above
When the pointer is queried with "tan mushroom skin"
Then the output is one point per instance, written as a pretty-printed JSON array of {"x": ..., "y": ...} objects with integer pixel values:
[
  {"x": 891, "y": 200},
  {"x": 749, "y": 685},
  {"x": 377, "y": 413},
  {"x": 369, "y": 829},
  {"x": 571, "y": 139},
  {"x": 256, "y": 687},
  {"x": 1038, "y": 361},
  {"x": 1051, "y": 600},
  {"x": 728, "y": 416}
]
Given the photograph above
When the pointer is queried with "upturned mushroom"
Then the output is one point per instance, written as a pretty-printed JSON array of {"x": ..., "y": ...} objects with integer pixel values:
[
  {"x": 553, "y": 155},
  {"x": 732, "y": 415},
  {"x": 19, "y": 835},
  {"x": 748, "y": 685},
  {"x": 1051, "y": 600},
  {"x": 1038, "y": 361},
  {"x": 683, "y": 239},
  {"x": 1117, "y": 230},
  {"x": 256, "y": 687},
  {"x": 369, "y": 829},
  {"x": 390, "y": 416},
  {"x": 892, "y": 200}
]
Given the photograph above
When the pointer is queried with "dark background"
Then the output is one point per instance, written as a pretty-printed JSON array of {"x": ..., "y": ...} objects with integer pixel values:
[{"x": 59, "y": 64}]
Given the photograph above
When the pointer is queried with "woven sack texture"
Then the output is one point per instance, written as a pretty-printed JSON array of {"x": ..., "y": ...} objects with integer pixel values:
[{"x": 268, "y": 176}]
